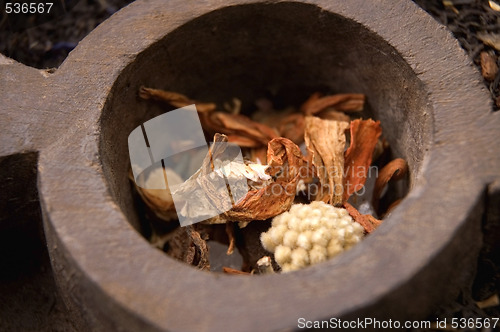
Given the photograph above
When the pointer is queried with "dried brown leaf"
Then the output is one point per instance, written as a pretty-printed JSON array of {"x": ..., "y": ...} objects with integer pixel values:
[
  {"x": 173, "y": 98},
  {"x": 241, "y": 125},
  {"x": 325, "y": 142},
  {"x": 286, "y": 162},
  {"x": 358, "y": 157},
  {"x": 394, "y": 170},
  {"x": 345, "y": 102},
  {"x": 368, "y": 222}
]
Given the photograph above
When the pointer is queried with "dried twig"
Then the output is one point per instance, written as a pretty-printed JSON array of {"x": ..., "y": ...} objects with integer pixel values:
[
  {"x": 394, "y": 170},
  {"x": 368, "y": 222},
  {"x": 230, "y": 235},
  {"x": 229, "y": 270}
]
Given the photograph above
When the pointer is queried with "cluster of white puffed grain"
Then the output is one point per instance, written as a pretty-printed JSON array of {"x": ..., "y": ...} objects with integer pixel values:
[{"x": 309, "y": 234}]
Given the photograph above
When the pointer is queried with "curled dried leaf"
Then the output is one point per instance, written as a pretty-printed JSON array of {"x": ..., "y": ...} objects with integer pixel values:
[
  {"x": 394, "y": 170},
  {"x": 358, "y": 157},
  {"x": 345, "y": 102},
  {"x": 368, "y": 222},
  {"x": 325, "y": 142},
  {"x": 285, "y": 162}
]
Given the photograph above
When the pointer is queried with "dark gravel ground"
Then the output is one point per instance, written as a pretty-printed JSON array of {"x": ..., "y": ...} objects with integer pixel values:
[{"x": 27, "y": 299}]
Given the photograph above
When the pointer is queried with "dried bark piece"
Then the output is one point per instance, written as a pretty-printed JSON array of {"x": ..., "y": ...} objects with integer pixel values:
[
  {"x": 198, "y": 250},
  {"x": 368, "y": 222},
  {"x": 186, "y": 244},
  {"x": 229, "y": 270},
  {"x": 489, "y": 67},
  {"x": 394, "y": 170},
  {"x": 345, "y": 102},
  {"x": 358, "y": 157},
  {"x": 286, "y": 163},
  {"x": 173, "y": 98},
  {"x": 325, "y": 142}
]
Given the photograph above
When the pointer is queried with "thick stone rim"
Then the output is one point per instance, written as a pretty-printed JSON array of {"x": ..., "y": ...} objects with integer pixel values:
[{"x": 122, "y": 279}]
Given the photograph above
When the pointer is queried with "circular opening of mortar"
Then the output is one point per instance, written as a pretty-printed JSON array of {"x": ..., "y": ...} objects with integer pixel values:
[{"x": 280, "y": 53}]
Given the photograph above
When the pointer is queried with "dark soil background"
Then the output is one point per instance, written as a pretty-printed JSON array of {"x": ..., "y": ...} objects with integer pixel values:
[{"x": 28, "y": 296}]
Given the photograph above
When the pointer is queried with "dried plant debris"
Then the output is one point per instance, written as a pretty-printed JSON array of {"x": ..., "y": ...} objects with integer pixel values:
[
  {"x": 188, "y": 245},
  {"x": 394, "y": 170},
  {"x": 300, "y": 167},
  {"x": 325, "y": 142}
]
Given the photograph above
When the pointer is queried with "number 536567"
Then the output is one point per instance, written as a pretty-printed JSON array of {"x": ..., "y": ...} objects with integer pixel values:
[{"x": 27, "y": 8}]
